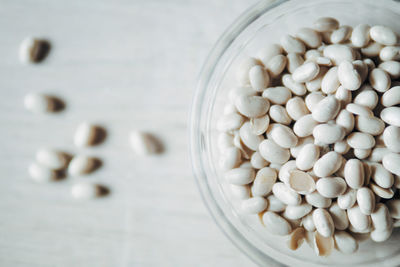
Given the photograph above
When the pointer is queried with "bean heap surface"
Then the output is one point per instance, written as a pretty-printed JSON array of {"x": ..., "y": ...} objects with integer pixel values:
[{"x": 310, "y": 137}]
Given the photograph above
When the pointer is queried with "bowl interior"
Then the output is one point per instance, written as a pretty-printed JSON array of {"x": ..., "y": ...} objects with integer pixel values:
[{"x": 266, "y": 23}]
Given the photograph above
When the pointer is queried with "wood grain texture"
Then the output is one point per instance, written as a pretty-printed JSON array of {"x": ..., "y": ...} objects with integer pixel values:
[{"x": 125, "y": 65}]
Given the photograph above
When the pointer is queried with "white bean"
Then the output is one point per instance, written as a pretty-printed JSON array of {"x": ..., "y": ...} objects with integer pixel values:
[
  {"x": 230, "y": 158},
  {"x": 378, "y": 153},
  {"x": 391, "y": 115},
  {"x": 39, "y": 103},
  {"x": 309, "y": 36},
  {"x": 257, "y": 161},
  {"x": 315, "y": 84},
  {"x": 331, "y": 187},
  {"x": 347, "y": 199},
  {"x": 276, "y": 65},
  {"x": 348, "y": 76},
  {"x": 51, "y": 158},
  {"x": 383, "y": 35},
  {"x": 381, "y": 175},
  {"x": 317, "y": 200},
  {"x": 366, "y": 200},
  {"x": 328, "y": 133},
  {"x": 86, "y": 134},
  {"x": 242, "y": 72},
  {"x": 343, "y": 95},
  {"x": 307, "y": 157},
  {"x": 265, "y": 179},
  {"x": 338, "y": 52},
  {"x": 354, "y": 173},
  {"x": 313, "y": 99},
  {"x": 370, "y": 125},
  {"x": 259, "y": 78},
  {"x": 345, "y": 119},
  {"x": 279, "y": 114},
  {"x": 362, "y": 69},
  {"x": 296, "y": 238},
  {"x": 312, "y": 54},
  {"x": 297, "y": 212},
  {"x": 378, "y": 235},
  {"x": 372, "y": 49},
  {"x": 327, "y": 164},
  {"x": 275, "y": 204},
  {"x": 359, "y": 110},
  {"x": 391, "y": 138},
  {"x": 283, "y": 136},
  {"x": 296, "y": 108},
  {"x": 330, "y": 82},
  {"x": 294, "y": 151},
  {"x": 250, "y": 139},
  {"x": 392, "y": 68},
  {"x": 240, "y": 176},
  {"x": 284, "y": 172},
  {"x": 391, "y": 97},
  {"x": 381, "y": 218},
  {"x": 323, "y": 222},
  {"x": 323, "y": 246},
  {"x": 379, "y": 80},
  {"x": 252, "y": 106},
  {"x": 226, "y": 123},
  {"x": 33, "y": 50},
  {"x": 268, "y": 52},
  {"x": 273, "y": 153},
  {"x": 360, "y": 140},
  {"x": 341, "y": 35},
  {"x": 391, "y": 162},
  {"x": 345, "y": 242},
  {"x": 386, "y": 193},
  {"x": 360, "y": 36},
  {"x": 304, "y": 126},
  {"x": 306, "y": 72},
  {"x": 368, "y": 98},
  {"x": 41, "y": 174},
  {"x": 325, "y": 24},
  {"x": 358, "y": 220},
  {"x": 296, "y": 88},
  {"x": 81, "y": 164},
  {"x": 235, "y": 92},
  {"x": 259, "y": 125},
  {"x": 341, "y": 147},
  {"x": 326, "y": 109},
  {"x": 285, "y": 194},
  {"x": 292, "y": 45},
  {"x": 254, "y": 205},
  {"x": 275, "y": 224},
  {"x": 84, "y": 190},
  {"x": 308, "y": 223},
  {"x": 277, "y": 95},
  {"x": 390, "y": 53},
  {"x": 339, "y": 217},
  {"x": 294, "y": 60},
  {"x": 303, "y": 183},
  {"x": 361, "y": 153}
]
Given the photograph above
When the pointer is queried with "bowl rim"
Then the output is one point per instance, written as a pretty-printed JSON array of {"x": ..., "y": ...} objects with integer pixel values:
[{"x": 196, "y": 139}]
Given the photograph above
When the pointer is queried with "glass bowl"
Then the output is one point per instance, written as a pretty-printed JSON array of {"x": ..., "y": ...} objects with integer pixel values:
[{"x": 261, "y": 24}]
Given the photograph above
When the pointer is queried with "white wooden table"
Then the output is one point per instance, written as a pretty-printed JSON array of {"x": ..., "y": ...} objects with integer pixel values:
[{"x": 125, "y": 65}]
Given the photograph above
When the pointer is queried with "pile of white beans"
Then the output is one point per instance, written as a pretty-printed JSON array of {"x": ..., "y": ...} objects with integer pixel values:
[{"x": 310, "y": 138}]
